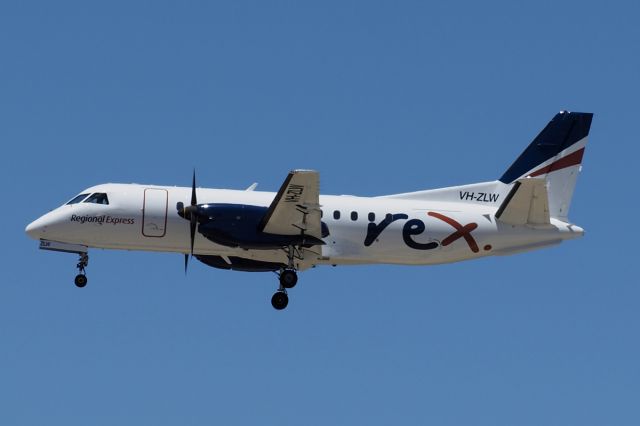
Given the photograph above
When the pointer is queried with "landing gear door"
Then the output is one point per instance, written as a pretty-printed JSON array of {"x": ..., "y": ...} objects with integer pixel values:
[{"x": 154, "y": 213}]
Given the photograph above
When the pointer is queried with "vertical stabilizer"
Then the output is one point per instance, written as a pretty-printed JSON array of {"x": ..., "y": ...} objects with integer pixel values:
[{"x": 555, "y": 155}]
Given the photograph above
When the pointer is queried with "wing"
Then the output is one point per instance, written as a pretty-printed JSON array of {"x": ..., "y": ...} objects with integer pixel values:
[{"x": 296, "y": 208}]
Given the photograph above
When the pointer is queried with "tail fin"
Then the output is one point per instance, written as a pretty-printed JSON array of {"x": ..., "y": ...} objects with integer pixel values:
[{"x": 555, "y": 155}]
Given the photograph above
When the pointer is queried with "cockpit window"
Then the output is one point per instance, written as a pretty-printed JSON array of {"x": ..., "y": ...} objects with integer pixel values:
[
  {"x": 98, "y": 198},
  {"x": 78, "y": 198}
]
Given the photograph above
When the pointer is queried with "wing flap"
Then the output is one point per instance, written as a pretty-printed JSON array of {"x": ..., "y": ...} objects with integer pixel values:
[
  {"x": 296, "y": 208},
  {"x": 526, "y": 204}
]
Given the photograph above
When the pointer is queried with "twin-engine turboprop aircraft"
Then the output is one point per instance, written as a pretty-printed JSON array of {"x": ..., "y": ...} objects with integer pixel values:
[{"x": 297, "y": 228}]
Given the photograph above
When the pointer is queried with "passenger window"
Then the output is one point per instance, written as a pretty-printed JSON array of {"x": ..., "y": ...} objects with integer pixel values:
[
  {"x": 78, "y": 198},
  {"x": 98, "y": 198},
  {"x": 336, "y": 214},
  {"x": 354, "y": 216},
  {"x": 372, "y": 217}
]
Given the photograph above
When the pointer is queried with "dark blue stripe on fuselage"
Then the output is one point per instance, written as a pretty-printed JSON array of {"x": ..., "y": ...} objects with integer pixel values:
[{"x": 564, "y": 130}]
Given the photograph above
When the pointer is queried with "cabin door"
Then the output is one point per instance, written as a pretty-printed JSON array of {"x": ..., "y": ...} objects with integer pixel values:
[{"x": 154, "y": 212}]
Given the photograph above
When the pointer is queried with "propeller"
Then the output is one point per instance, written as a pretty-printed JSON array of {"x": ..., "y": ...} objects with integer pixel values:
[{"x": 190, "y": 213}]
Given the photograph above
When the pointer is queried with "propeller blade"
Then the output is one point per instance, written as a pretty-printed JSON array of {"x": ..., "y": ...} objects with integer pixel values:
[
  {"x": 194, "y": 222},
  {"x": 190, "y": 214},
  {"x": 194, "y": 200}
]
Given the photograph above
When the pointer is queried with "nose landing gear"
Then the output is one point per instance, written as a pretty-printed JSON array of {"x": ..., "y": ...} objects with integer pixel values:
[{"x": 81, "y": 279}]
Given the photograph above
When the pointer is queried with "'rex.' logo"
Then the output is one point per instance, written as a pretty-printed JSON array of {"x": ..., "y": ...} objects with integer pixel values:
[
  {"x": 414, "y": 227},
  {"x": 461, "y": 231}
]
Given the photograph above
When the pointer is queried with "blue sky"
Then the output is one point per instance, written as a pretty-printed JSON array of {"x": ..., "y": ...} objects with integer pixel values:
[{"x": 380, "y": 97}]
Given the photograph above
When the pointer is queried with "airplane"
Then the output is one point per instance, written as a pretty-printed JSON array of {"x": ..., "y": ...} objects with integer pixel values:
[{"x": 297, "y": 228}]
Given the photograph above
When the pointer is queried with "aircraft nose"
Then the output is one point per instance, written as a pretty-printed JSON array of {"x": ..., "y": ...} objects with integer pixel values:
[{"x": 36, "y": 229}]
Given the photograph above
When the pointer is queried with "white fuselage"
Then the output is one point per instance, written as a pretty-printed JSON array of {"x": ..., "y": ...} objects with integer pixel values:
[{"x": 417, "y": 232}]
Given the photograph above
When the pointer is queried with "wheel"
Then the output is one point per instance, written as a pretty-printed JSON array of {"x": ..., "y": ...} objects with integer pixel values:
[
  {"x": 288, "y": 278},
  {"x": 81, "y": 280},
  {"x": 280, "y": 300}
]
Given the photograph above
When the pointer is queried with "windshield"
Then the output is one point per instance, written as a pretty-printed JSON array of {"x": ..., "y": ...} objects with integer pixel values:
[
  {"x": 98, "y": 198},
  {"x": 78, "y": 198}
]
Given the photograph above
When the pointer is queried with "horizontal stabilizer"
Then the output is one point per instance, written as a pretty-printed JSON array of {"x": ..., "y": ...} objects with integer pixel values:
[{"x": 526, "y": 204}]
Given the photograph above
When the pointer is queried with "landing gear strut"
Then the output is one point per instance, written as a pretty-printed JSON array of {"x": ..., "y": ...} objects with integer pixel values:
[
  {"x": 81, "y": 279},
  {"x": 288, "y": 279}
]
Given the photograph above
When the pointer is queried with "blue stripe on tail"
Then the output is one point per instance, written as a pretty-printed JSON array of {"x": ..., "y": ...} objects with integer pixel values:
[{"x": 564, "y": 130}]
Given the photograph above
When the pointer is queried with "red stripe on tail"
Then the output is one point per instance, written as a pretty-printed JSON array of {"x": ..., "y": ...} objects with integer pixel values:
[{"x": 568, "y": 161}]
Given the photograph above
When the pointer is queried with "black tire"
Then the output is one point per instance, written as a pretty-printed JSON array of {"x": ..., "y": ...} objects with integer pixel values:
[
  {"x": 280, "y": 300},
  {"x": 81, "y": 280},
  {"x": 288, "y": 278}
]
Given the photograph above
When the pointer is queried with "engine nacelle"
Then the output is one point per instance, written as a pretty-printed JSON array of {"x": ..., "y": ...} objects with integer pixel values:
[
  {"x": 240, "y": 264},
  {"x": 237, "y": 225}
]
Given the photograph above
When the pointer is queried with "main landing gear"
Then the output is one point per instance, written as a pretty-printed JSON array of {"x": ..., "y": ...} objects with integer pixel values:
[
  {"x": 288, "y": 279},
  {"x": 81, "y": 279},
  {"x": 280, "y": 300}
]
